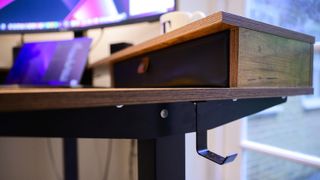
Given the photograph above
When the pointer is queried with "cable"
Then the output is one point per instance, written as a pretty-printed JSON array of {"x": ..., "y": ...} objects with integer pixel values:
[
  {"x": 108, "y": 160},
  {"x": 52, "y": 160},
  {"x": 98, "y": 40},
  {"x": 54, "y": 163}
]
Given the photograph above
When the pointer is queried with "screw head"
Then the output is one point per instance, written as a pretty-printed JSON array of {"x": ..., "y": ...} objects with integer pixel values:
[
  {"x": 119, "y": 106},
  {"x": 164, "y": 113}
]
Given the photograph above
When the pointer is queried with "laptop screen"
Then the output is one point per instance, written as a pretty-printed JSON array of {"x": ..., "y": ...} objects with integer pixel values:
[{"x": 50, "y": 63}]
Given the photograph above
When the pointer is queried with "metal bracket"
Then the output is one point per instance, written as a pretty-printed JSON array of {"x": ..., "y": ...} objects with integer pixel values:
[
  {"x": 202, "y": 146},
  {"x": 203, "y": 150},
  {"x": 225, "y": 111}
]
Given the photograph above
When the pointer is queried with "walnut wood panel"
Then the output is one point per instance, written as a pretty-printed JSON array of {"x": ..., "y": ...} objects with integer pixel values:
[
  {"x": 233, "y": 57},
  {"x": 272, "y": 61},
  {"x": 211, "y": 24},
  {"x": 263, "y": 27},
  {"x": 312, "y": 49},
  {"x": 39, "y": 99}
]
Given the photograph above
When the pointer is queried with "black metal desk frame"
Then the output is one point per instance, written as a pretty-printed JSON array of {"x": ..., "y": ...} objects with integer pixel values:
[{"x": 159, "y": 128}]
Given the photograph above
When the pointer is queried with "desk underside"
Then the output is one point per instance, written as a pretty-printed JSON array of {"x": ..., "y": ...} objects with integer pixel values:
[{"x": 144, "y": 121}]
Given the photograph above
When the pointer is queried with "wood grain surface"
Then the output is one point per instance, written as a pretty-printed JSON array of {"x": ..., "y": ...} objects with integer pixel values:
[
  {"x": 272, "y": 61},
  {"x": 211, "y": 24},
  {"x": 247, "y": 23},
  {"x": 22, "y": 99},
  {"x": 233, "y": 57}
]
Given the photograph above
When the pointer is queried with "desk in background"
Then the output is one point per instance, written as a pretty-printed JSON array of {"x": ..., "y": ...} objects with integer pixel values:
[{"x": 158, "y": 118}]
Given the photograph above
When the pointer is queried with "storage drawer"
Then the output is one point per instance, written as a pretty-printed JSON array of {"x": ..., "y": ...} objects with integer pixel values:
[
  {"x": 221, "y": 50},
  {"x": 202, "y": 62}
]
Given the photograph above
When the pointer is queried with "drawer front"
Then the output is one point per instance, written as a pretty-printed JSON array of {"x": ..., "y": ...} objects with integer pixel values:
[{"x": 203, "y": 62}]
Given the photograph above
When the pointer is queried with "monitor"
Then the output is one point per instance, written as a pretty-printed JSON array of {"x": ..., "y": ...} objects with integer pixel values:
[
  {"x": 63, "y": 15},
  {"x": 52, "y": 63}
]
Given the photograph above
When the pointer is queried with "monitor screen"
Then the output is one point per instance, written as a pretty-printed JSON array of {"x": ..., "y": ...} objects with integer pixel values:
[
  {"x": 62, "y": 15},
  {"x": 51, "y": 63}
]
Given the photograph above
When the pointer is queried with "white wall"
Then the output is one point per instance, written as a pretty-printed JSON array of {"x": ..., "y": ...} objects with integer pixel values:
[{"x": 28, "y": 158}]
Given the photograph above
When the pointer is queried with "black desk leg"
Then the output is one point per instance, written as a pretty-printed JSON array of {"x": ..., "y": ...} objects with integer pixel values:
[
  {"x": 70, "y": 157},
  {"x": 162, "y": 158}
]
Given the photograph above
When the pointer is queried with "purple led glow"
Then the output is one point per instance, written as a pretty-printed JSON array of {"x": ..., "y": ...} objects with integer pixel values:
[
  {"x": 50, "y": 63},
  {"x": 90, "y": 9},
  {"x": 31, "y": 63},
  {"x": 4, "y": 3},
  {"x": 70, "y": 3}
]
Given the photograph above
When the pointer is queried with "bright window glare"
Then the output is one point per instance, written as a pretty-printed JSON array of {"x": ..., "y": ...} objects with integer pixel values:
[{"x": 149, "y": 6}]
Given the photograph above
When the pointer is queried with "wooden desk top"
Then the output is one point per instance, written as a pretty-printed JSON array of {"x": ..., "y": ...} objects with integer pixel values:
[
  {"x": 20, "y": 99},
  {"x": 216, "y": 22}
]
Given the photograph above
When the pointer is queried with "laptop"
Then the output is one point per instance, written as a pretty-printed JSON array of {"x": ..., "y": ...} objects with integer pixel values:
[{"x": 50, "y": 63}]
